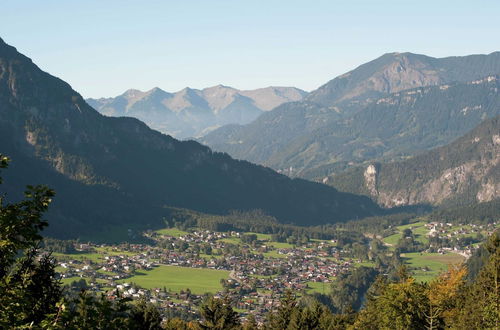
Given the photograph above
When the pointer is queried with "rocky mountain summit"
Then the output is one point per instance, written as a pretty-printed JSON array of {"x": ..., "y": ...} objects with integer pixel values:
[
  {"x": 395, "y": 72},
  {"x": 192, "y": 112}
]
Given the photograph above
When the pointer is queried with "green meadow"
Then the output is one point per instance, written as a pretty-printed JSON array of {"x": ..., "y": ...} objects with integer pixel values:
[
  {"x": 435, "y": 262},
  {"x": 174, "y": 232},
  {"x": 319, "y": 287},
  {"x": 419, "y": 231},
  {"x": 176, "y": 278}
]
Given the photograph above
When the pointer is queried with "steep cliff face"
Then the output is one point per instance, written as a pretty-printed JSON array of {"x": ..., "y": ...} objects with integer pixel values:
[{"x": 466, "y": 171}]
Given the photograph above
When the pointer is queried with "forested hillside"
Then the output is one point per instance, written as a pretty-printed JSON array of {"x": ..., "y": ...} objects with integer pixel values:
[
  {"x": 307, "y": 140},
  {"x": 463, "y": 172},
  {"x": 116, "y": 173}
]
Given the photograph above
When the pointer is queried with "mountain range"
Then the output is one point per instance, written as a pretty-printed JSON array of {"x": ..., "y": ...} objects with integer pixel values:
[
  {"x": 396, "y": 106},
  {"x": 193, "y": 112},
  {"x": 113, "y": 175}
]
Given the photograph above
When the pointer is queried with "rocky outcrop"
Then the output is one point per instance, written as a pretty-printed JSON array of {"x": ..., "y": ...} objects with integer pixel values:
[{"x": 468, "y": 170}]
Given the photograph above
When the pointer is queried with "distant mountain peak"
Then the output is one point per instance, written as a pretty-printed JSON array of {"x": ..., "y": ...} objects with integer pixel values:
[
  {"x": 213, "y": 106},
  {"x": 133, "y": 93},
  {"x": 396, "y": 71}
]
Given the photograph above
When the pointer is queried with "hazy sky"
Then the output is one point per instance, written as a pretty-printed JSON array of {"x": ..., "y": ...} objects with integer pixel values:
[{"x": 103, "y": 47}]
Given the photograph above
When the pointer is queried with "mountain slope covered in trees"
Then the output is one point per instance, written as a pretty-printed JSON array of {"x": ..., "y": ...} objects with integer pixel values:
[
  {"x": 463, "y": 172},
  {"x": 308, "y": 140},
  {"x": 395, "y": 72},
  {"x": 116, "y": 173}
]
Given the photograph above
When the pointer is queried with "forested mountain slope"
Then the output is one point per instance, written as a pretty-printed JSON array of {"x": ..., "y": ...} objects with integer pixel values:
[
  {"x": 116, "y": 172},
  {"x": 317, "y": 141},
  {"x": 464, "y": 172}
]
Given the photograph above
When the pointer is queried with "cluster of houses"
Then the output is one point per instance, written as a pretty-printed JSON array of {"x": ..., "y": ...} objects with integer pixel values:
[
  {"x": 452, "y": 233},
  {"x": 257, "y": 280}
]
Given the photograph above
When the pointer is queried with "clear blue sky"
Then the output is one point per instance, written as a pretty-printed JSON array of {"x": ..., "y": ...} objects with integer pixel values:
[{"x": 103, "y": 47}]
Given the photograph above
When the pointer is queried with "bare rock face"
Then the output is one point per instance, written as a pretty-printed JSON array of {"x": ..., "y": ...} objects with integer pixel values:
[
  {"x": 467, "y": 170},
  {"x": 370, "y": 175}
]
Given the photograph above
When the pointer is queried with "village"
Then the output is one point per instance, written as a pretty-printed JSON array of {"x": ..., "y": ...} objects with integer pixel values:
[
  {"x": 258, "y": 272},
  {"x": 248, "y": 268}
]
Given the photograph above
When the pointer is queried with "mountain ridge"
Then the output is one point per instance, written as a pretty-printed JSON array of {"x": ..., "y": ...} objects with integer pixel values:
[
  {"x": 314, "y": 139},
  {"x": 117, "y": 173},
  {"x": 195, "y": 110},
  {"x": 394, "y": 72}
]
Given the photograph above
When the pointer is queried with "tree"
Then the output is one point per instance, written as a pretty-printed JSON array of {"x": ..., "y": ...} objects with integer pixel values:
[
  {"x": 251, "y": 323},
  {"x": 145, "y": 316},
  {"x": 397, "y": 306},
  {"x": 282, "y": 317},
  {"x": 218, "y": 314},
  {"x": 480, "y": 306},
  {"x": 28, "y": 288},
  {"x": 443, "y": 294}
]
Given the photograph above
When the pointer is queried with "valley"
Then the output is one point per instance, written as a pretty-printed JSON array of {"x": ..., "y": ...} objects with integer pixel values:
[
  {"x": 182, "y": 266},
  {"x": 368, "y": 198}
]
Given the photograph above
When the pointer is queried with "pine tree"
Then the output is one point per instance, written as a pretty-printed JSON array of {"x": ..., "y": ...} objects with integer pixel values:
[
  {"x": 28, "y": 288},
  {"x": 218, "y": 314}
]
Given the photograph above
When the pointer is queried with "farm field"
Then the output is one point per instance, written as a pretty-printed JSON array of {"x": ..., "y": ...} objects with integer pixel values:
[
  {"x": 69, "y": 280},
  {"x": 279, "y": 245},
  {"x": 176, "y": 278},
  {"x": 434, "y": 262},
  {"x": 98, "y": 255},
  {"x": 174, "y": 232},
  {"x": 418, "y": 229},
  {"x": 319, "y": 287},
  {"x": 95, "y": 257},
  {"x": 231, "y": 240}
]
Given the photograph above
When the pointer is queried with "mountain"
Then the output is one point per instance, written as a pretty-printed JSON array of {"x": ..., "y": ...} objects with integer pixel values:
[
  {"x": 342, "y": 124},
  {"x": 464, "y": 172},
  {"x": 395, "y": 72},
  {"x": 192, "y": 112},
  {"x": 114, "y": 174}
]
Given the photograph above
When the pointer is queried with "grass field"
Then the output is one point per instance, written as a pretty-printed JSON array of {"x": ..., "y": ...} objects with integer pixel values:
[
  {"x": 174, "y": 232},
  {"x": 275, "y": 254},
  {"x": 175, "y": 278},
  {"x": 411, "y": 226},
  {"x": 95, "y": 257},
  {"x": 418, "y": 229},
  {"x": 231, "y": 240},
  {"x": 392, "y": 240},
  {"x": 318, "y": 287},
  {"x": 68, "y": 280},
  {"x": 109, "y": 251},
  {"x": 434, "y": 261},
  {"x": 279, "y": 245}
]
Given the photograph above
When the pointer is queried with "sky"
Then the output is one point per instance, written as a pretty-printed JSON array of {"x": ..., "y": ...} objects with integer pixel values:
[{"x": 104, "y": 47}]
